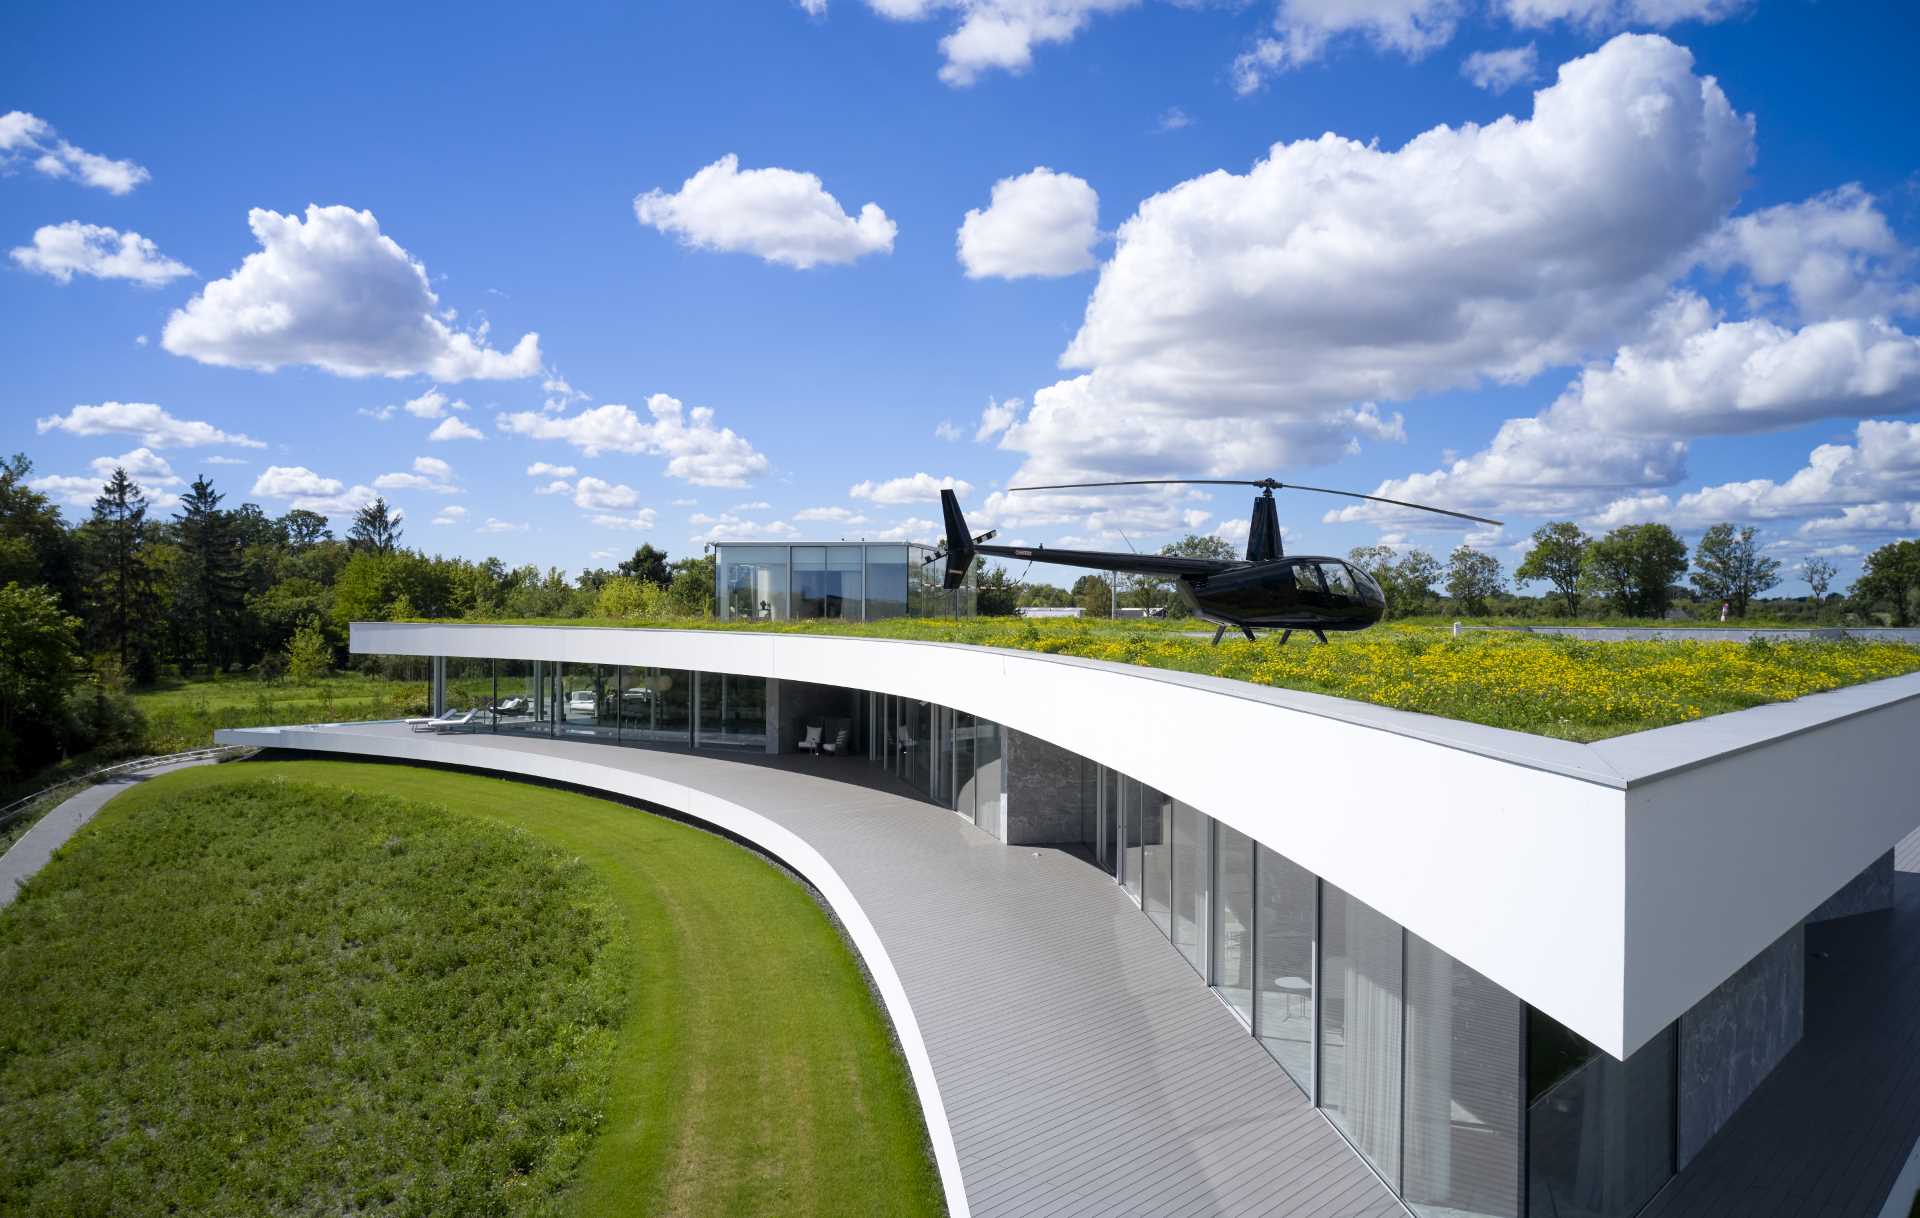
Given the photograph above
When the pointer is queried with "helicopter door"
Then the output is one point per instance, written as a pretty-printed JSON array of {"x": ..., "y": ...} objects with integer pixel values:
[{"x": 1310, "y": 592}]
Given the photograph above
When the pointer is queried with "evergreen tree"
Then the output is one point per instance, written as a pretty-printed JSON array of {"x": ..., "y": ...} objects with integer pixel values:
[
  {"x": 210, "y": 592},
  {"x": 126, "y": 604},
  {"x": 376, "y": 528},
  {"x": 649, "y": 563}
]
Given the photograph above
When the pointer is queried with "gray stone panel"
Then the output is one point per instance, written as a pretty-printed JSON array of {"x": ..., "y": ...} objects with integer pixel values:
[
  {"x": 1734, "y": 1037},
  {"x": 1043, "y": 791},
  {"x": 1872, "y": 889}
]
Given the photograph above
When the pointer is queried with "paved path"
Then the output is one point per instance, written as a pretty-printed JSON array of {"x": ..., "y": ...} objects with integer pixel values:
[
  {"x": 1084, "y": 1068},
  {"x": 50, "y": 832}
]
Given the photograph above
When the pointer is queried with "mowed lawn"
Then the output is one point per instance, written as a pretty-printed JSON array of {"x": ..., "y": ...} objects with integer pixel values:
[{"x": 338, "y": 987}]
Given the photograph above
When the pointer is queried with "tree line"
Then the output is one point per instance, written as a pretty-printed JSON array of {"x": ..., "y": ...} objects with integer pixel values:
[{"x": 110, "y": 602}]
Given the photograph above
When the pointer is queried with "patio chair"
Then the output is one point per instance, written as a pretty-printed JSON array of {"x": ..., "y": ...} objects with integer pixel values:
[
  {"x": 810, "y": 743},
  {"x": 451, "y": 721},
  {"x": 841, "y": 744}
]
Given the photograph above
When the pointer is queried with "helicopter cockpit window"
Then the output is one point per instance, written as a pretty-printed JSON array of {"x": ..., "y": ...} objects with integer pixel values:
[
  {"x": 1339, "y": 580},
  {"x": 1306, "y": 579}
]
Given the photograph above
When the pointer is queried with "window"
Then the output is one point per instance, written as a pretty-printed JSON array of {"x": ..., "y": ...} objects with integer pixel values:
[
  {"x": 1339, "y": 582},
  {"x": 1361, "y": 1026},
  {"x": 1192, "y": 877},
  {"x": 1600, "y": 1133},
  {"x": 959, "y": 762},
  {"x": 886, "y": 582},
  {"x": 827, "y": 582},
  {"x": 1306, "y": 578},
  {"x": 1233, "y": 919},
  {"x": 733, "y": 712},
  {"x": 1131, "y": 812},
  {"x": 1156, "y": 858},
  {"x": 1283, "y": 962},
  {"x": 1463, "y": 1089},
  {"x": 753, "y": 582}
]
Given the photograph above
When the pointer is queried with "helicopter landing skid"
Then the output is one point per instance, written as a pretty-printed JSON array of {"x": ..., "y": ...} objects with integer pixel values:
[
  {"x": 1285, "y": 635},
  {"x": 1221, "y": 632}
]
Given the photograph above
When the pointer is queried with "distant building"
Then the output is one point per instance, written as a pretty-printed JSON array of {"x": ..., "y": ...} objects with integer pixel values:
[
  {"x": 776, "y": 581},
  {"x": 1134, "y": 611},
  {"x": 1051, "y": 611}
]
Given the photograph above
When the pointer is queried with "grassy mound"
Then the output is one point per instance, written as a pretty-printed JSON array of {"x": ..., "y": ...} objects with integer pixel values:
[
  {"x": 333, "y": 987},
  {"x": 273, "y": 997}
]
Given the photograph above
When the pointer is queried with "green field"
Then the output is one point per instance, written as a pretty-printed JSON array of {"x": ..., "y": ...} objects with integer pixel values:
[
  {"x": 182, "y": 714},
  {"x": 329, "y": 987}
]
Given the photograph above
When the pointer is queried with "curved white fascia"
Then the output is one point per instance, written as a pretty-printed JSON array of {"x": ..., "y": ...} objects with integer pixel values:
[
  {"x": 723, "y": 814},
  {"x": 1508, "y": 851}
]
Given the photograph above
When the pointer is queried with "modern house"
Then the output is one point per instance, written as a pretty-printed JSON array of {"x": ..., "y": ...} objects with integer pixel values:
[
  {"x": 1140, "y": 931},
  {"x": 853, "y": 581}
]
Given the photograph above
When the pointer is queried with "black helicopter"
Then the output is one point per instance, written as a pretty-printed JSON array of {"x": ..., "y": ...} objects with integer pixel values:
[{"x": 1267, "y": 589}]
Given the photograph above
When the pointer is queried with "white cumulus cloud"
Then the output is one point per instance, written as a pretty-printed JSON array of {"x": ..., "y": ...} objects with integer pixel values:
[
  {"x": 427, "y": 474},
  {"x": 26, "y": 137},
  {"x": 915, "y": 488},
  {"x": 1302, "y": 30},
  {"x": 453, "y": 513},
  {"x": 780, "y": 215},
  {"x": 695, "y": 449},
  {"x": 540, "y": 469},
  {"x": 303, "y": 488},
  {"x": 597, "y": 493},
  {"x": 640, "y": 521},
  {"x": 336, "y": 293},
  {"x": 1040, "y": 223},
  {"x": 1242, "y": 316},
  {"x": 452, "y": 428},
  {"x": 153, "y": 425},
  {"x": 143, "y": 465},
  {"x": 1498, "y": 71},
  {"x": 62, "y": 251},
  {"x": 1618, "y": 14}
]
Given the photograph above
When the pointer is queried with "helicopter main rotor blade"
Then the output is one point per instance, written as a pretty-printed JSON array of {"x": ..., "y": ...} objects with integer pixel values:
[
  {"x": 1269, "y": 484},
  {"x": 1074, "y": 486},
  {"x": 1324, "y": 490}
]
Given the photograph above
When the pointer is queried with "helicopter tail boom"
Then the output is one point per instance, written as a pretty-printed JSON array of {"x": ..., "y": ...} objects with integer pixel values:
[{"x": 960, "y": 549}]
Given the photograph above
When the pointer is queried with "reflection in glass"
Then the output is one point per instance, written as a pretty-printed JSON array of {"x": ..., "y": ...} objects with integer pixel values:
[
  {"x": 988, "y": 767},
  {"x": 886, "y": 582},
  {"x": 1600, "y": 1137},
  {"x": 517, "y": 708},
  {"x": 733, "y": 712},
  {"x": 1156, "y": 857},
  {"x": 1283, "y": 963},
  {"x": 1192, "y": 875},
  {"x": 1233, "y": 919},
  {"x": 959, "y": 762},
  {"x": 1360, "y": 1026},
  {"x": 1463, "y": 1090},
  {"x": 753, "y": 581},
  {"x": 588, "y": 701},
  {"x": 1131, "y": 812}
]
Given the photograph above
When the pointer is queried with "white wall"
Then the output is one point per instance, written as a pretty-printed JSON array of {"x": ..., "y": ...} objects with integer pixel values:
[{"x": 1611, "y": 886}]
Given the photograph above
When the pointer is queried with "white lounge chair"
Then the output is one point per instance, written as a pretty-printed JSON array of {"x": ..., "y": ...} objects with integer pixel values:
[
  {"x": 810, "y": 743},
  {"x": 448, "y": 722},
  {"x": 840, "y": 744}
]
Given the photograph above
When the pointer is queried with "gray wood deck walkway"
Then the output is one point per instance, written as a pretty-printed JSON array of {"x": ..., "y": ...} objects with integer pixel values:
[
  {"x": 1827, "y": 1132},
  {"x": 1084, "y": 1067}
]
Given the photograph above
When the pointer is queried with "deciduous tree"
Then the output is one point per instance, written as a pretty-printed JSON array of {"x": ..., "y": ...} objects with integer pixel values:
[
  {"x": 1472, "y": 578},
  {"x": 1558, "y": 554},
  {"x": 1728, "y": 566},
  {"x": 1890, "y": 580},
  {"x": 1634, "y": 566}
]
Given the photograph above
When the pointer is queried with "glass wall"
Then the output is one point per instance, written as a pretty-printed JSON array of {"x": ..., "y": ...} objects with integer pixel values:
[
  {"x": 852, "y": 581},
  {"x": 1289, "y": 898},
  {"x": 1233, "y": 919},
  {"x": 1360, "y": 1026},
  {"x": 732, "y": 712},
  {"x": 1192, "y": 882},
  {"x": 1132, "y": 813},
  {"x": 589, "y": 701},
  {"x": 1600, "y": 1132},
  {"x": 827, "y": 581},
  {"x": 1156, "y": 857},
  {"x": 520, "y": 704},
  {"x": 1463, "y": 1089},
  {"x": 886, "y": 582},
  {"x": 753, "y": 582}
]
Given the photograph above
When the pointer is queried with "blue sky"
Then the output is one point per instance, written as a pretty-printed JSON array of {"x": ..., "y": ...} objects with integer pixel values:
[{"x": 1683, "y": 271}]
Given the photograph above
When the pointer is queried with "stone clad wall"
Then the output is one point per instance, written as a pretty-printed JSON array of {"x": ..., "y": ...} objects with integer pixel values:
[
  {"x": 1043, "y": 791},
  {"x": 1735, "y": 1036},
  {"x": 1870, "y": 890}
]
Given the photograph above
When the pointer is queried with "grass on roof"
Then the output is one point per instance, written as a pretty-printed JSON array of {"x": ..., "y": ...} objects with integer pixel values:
[
  {"x": 333, "y": 987},
  {"x": 1545, "y": 684}
]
